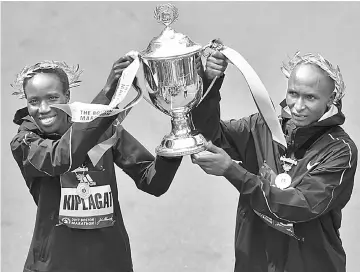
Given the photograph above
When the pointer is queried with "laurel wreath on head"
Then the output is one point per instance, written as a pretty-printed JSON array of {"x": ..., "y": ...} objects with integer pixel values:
[
  {"x": 73, "y": 73},
  {"x": 324, "y": 64}
]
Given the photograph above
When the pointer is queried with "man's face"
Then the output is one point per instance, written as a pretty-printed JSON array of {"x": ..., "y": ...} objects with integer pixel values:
[
  {"x": 43, "y": 90},
  {"x": 309, "y": 93}
]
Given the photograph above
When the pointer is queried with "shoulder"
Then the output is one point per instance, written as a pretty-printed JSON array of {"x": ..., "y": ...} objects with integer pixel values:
[
  {"x": 338, "y": 146},
  {"x": 339, "y": 138}
]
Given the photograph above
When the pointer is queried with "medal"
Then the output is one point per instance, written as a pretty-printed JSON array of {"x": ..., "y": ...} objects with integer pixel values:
[
  {"x": 83, "y": 190},
  {"x": 283, "y": 181},
  {"x": 287, "y": 163}
]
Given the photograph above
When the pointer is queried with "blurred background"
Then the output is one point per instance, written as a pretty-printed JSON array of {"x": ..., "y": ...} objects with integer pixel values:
[{"x": 191, "y": 227}]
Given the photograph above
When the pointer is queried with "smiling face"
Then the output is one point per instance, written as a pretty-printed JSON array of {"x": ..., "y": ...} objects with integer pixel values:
[
  {"x": 310, "y": 92},
  {"x": 43, "y": 90}
]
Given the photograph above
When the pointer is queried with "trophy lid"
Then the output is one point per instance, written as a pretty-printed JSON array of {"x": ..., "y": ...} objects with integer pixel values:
[{"x": 169, "y": 43}]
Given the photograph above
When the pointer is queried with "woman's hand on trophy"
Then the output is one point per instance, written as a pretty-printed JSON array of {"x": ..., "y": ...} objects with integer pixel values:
[
  {"x": 216, "y": 65},
  {"x": 118, "y": 67}
]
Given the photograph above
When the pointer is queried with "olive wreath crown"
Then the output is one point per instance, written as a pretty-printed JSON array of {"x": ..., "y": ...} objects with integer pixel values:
[
  {"x": 324, "y": 64},
  {"x": 73, "y": 73}
]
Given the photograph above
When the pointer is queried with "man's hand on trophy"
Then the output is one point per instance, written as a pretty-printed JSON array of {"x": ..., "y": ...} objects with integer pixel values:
[
  {"x": 118, "y": 67},
  {"x": 214, "y": 160},
  {"x": 216, "y": 65}
]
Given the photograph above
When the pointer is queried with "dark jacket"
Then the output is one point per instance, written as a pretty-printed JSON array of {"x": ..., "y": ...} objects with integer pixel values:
[
  {"x": 42, "y": 159},
  {"x": 322, "y": 183}
]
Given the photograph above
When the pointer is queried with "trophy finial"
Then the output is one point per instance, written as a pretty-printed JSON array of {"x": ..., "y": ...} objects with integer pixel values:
[{"x": 166, "y": 14}]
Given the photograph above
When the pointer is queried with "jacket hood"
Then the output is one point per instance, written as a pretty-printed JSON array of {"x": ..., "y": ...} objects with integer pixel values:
[
  {"x": 23, "y": 119},
  {"x": 20, "y": 115}
]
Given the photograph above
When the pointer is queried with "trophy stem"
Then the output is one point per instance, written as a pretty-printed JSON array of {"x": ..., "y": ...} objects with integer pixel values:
[
  {"x": 183, "y": 139},
  {"x": 180, "y": 123}
]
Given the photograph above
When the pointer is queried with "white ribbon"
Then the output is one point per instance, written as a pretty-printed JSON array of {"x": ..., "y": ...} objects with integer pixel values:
[
  {"x": 83, "y": 112},
  {"x": 260, "y": 95},
  {"x": 126, "y": 80}
]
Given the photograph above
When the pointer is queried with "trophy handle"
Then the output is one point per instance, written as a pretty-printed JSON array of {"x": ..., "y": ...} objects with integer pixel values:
[
  {"x": 139, "y": 90},
  {"x": 138, "y": 97},
  {"x": 215, "y": 44}
]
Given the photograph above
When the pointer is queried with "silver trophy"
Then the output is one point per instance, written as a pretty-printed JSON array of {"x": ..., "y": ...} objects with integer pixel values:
[{"x": 173, "y": 84}]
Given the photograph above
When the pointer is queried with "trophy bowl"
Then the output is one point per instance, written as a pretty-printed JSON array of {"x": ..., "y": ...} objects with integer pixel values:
[{"x": 173, "y": 84}]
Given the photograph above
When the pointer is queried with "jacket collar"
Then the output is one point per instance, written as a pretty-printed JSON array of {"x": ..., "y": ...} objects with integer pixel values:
[{"x": 297, "y": 136}]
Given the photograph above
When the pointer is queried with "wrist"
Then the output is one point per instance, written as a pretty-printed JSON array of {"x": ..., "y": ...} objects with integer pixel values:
[
  {"x": 234, "y": 171},
  {"x": 215, "y": 87},
  {"x": 236, "y": 175}
]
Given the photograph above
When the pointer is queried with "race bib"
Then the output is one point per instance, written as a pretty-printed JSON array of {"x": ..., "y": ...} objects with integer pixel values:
[{"x": 84, "y": 204}]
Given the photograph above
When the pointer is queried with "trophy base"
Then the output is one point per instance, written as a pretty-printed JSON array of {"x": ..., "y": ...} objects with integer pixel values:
[{"x": 177, "y": 146}]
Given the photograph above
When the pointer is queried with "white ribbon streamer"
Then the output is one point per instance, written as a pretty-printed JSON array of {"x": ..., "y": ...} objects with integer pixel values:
[
  {"x": 260, "y": 95},
  {"x": 84, "y": 112},
  {"x": 126, "y": 80}
]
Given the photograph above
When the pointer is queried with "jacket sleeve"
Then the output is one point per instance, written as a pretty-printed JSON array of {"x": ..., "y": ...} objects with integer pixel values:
[
  {"x": 319, "y": 190},
  {"x": 206, "y": 116},
  {"x": 37, "y": 156},
  {"x": 206, "y": 119},
  {"x": 151, "y": 175}
]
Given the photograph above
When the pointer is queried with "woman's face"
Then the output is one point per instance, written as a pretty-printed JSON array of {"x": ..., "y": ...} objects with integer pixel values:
[{"x": 43, "y": 90}]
